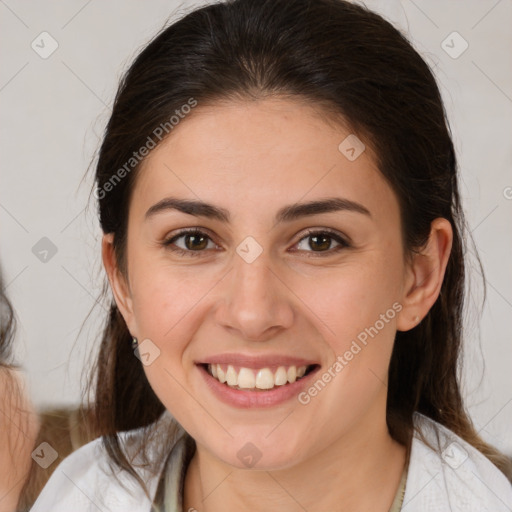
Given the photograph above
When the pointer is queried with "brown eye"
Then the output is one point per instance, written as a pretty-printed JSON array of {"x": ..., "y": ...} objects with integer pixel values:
[
  {"x": 321, "y": 241},
  {"x": 194, "y": 242},
  {"x": 190, "y": 243}
]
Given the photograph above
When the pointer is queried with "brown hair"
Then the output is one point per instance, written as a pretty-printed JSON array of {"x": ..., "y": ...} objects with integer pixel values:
[
  {"x": 356, "y": 67},
  {"x": 65, "y": 430},
  {"x": 7, "y": 327},
  {"x": 18, "y": 421}
]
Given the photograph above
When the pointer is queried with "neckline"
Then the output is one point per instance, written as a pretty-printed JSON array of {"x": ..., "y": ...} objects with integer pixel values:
[
  {"x": 169, "y": 493},
  {"x": 396, "y": 506},
  {"x": 170, "y": 490}
]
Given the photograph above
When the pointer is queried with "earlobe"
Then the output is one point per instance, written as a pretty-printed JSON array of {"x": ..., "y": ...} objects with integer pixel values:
[
  {"x": 425, "y": 274},
  {"x": 118, "y": 284}
]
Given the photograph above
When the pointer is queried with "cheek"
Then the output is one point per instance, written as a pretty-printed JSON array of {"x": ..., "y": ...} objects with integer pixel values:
[
  {"x": 164, "y": 298},
  {"x": 357, "y": 312},
  {"x": 167, "y": 304},
  {"x": 356, "y": 308},
  {"x": 352, "y": 297}
]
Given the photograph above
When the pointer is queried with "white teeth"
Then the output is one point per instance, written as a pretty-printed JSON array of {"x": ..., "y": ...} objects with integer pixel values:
[
  {"x": 263, "y": 378},
  {"x": 246, "y": 378},
  {"x": 231, "y": 376},
  {"x": 281, "y": 376},
  {"x": 221, "y": 376},
  {"x": 292, "y": 374}
]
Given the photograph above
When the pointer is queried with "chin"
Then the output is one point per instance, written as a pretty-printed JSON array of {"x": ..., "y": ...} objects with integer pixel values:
[{"x": 259, "y": 450}]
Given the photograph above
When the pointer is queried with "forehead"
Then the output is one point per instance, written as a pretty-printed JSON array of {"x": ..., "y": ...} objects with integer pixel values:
[{"x": 270, "y": 151}]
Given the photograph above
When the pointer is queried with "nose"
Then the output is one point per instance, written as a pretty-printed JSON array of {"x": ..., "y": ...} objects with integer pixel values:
[{"x": 256, "y": 301}]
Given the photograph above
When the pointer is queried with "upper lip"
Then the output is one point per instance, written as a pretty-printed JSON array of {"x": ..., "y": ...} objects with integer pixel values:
[{"x": 255, "y": 362}]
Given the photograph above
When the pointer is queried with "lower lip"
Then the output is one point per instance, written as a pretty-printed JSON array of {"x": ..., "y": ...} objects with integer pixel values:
[{"x": 250, "y": 399}]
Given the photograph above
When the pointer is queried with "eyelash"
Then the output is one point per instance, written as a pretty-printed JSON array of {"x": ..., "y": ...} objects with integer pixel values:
[{"x": 182, "y": 252}]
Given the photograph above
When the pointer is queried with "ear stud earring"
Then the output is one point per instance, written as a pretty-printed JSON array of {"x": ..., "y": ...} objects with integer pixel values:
[
  {"x": 416, "y": 318},
  {"x": 135, "y": 342}
]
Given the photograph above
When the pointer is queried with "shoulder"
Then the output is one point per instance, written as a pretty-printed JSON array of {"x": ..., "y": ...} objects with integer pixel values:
[
  {"x": 85, "y": 481},
  {"x": 451, "y": 474}
]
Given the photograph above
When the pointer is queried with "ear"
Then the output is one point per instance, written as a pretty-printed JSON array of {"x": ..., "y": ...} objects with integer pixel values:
[
  {"x": 425, "y": 274},
  {"x": 118, "y": 283}
]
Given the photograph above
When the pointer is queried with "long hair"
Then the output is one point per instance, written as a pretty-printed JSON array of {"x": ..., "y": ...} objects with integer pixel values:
[
  {"x": 18, "y": 424},
  {"x": 7, "y": 327},
  {"x": 355, "y": 68}
]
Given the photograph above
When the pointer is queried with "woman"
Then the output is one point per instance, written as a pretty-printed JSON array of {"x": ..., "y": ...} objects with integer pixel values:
[
  {"x": 18, "y": 420},
  {"x": 284, "y": 241}
]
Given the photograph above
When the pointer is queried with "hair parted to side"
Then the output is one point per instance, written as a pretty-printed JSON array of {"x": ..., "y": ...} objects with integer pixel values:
[{"x": 356, "y": 68}]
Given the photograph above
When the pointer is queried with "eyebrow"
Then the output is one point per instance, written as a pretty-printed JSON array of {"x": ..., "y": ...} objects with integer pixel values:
[{"x": 285, "y": 214}]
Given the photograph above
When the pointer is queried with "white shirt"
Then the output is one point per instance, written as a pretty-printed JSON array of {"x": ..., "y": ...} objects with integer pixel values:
[{"x": 453, "y": 478}]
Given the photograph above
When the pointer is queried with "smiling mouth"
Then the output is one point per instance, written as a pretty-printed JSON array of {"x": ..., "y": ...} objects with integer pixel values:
[{"x": 260, "y": 379}]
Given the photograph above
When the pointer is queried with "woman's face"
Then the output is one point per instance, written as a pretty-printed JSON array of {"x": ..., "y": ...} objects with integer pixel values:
[{"x": 263, "y": 287}]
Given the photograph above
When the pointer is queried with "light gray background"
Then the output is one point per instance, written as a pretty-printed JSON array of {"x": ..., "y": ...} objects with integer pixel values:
[{"x": 54, "y": 111}]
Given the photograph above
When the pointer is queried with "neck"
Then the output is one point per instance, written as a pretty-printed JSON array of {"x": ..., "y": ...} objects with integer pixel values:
[{"x": 361, "y": 471}]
